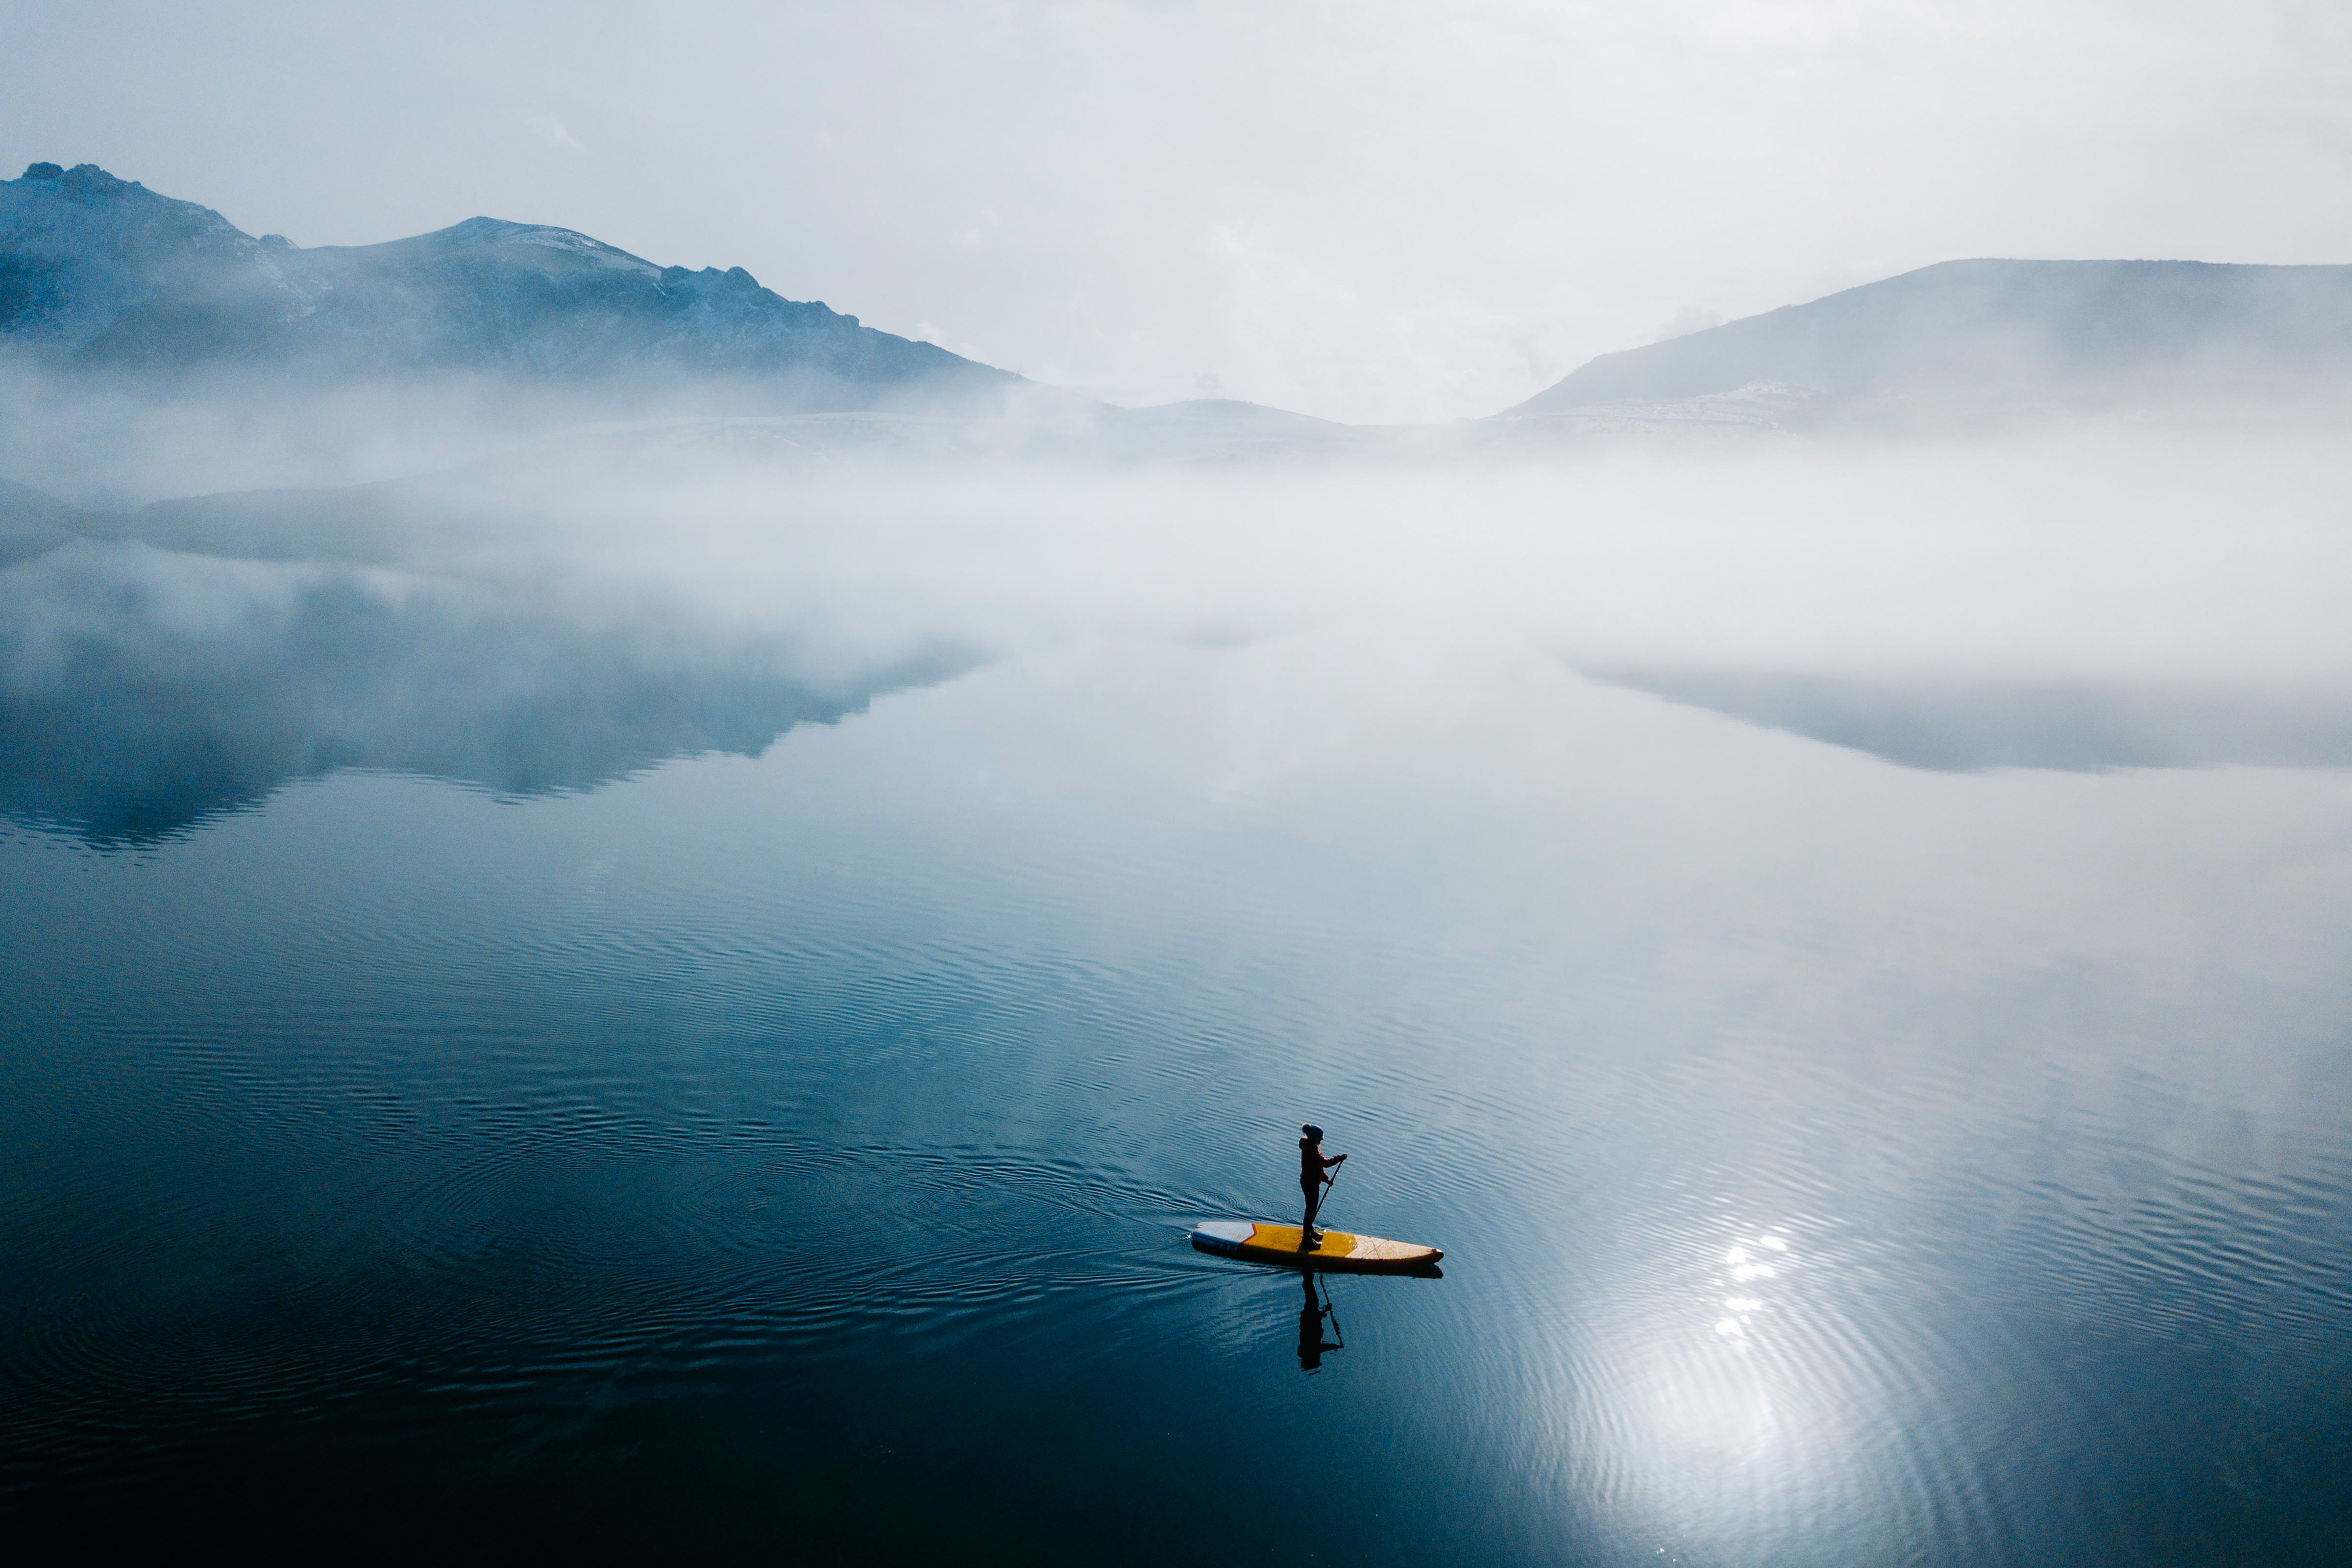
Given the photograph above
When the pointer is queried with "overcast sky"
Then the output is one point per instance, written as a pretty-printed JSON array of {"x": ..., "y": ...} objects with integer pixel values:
[{"x": 1366, "y": 211}]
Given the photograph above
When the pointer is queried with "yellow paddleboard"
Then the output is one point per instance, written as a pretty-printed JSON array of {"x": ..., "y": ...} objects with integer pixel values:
[{"x": 1263, "y": 1243}]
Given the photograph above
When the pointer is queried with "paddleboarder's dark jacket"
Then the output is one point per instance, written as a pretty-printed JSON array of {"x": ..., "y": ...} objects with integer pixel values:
[{"x": 1313, "y": 1162}]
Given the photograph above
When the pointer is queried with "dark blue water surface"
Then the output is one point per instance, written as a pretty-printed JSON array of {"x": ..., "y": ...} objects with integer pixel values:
[{"x": 1835, "y": 1162}]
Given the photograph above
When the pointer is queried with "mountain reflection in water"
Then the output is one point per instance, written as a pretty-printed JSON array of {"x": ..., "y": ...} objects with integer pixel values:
[
  {"x": 1963, "y": 725},
  {"x": 143, "y": 691}
]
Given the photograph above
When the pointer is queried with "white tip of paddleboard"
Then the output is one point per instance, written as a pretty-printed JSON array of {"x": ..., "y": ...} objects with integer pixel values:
[{"x": 1233, "y": 1230}]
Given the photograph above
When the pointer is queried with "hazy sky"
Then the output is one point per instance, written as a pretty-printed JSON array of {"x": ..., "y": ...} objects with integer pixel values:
[{"x": 1366, "y": 211}]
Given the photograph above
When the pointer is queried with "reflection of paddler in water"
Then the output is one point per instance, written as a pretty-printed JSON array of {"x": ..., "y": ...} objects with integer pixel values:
[
  {"x": 1312, "y": 1164},
  {"x": 1311, "y": 1342}
]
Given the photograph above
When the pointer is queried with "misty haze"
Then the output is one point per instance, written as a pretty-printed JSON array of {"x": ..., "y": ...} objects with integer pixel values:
[{"x": 653, "y": 915}]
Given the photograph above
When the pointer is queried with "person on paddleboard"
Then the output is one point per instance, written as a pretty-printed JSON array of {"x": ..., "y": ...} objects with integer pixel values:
[{"x": 1312, "y": 1164}]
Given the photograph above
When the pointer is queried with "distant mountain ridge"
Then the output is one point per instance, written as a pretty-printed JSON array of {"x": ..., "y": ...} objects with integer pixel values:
[
  {"x": 103, "y": 275},
  {"x": 1989, "y": 334}
]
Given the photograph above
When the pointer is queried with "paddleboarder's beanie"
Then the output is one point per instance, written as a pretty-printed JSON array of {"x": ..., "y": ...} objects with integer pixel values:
[{"x": 1312, "y": 1131}]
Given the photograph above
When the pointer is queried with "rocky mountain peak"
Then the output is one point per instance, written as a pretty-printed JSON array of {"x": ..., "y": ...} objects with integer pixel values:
[{"x": 98, "y": 273}]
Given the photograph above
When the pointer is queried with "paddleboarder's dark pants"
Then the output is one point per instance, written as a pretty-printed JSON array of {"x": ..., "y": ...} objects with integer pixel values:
[{"x": 1314, "y": 1191}]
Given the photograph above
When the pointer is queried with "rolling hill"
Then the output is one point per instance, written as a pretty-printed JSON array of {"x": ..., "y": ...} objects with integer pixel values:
[{"x": 1989, "y": 335}]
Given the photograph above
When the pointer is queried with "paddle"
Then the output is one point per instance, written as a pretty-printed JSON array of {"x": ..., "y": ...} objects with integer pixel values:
[{"x": 1328, "y": 1183}]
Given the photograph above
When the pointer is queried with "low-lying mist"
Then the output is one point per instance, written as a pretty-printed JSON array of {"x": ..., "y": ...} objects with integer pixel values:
[{"x": 530, "y": 607}]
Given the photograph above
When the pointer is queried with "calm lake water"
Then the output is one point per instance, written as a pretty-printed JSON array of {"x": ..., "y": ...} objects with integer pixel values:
[{"x": 1836, "y": 1160}]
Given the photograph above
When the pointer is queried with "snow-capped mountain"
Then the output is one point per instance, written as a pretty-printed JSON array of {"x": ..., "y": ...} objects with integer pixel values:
[{"x": 103, "y": 274}]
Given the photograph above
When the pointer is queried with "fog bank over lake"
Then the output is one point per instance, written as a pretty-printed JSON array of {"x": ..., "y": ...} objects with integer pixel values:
[{"x": 2130, "y": 598}]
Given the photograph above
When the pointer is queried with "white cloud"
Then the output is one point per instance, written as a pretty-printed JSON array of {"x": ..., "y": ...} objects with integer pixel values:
[
  {"x": 549, "y": 130},
  {"x": 1683, "y": 322}
]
